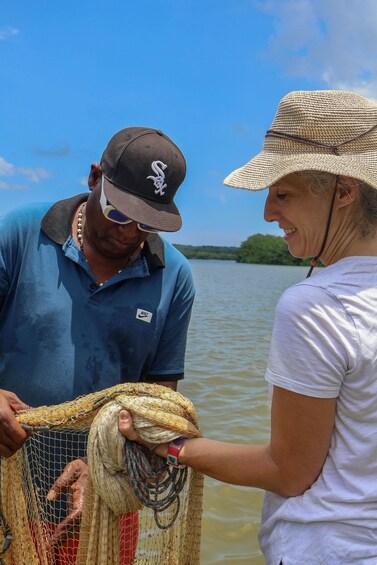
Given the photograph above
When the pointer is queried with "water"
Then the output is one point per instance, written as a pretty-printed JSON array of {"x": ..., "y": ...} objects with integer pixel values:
[{"x": 226, "y": 358}]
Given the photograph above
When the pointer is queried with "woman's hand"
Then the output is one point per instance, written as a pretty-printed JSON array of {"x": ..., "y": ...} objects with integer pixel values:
[{"x": 126, "y": 427}]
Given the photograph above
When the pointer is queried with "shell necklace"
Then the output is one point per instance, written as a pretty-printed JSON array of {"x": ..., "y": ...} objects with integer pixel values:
[{"x": 80, "y": 239}]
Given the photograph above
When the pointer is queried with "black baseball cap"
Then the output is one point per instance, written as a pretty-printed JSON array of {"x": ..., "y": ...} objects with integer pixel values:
[{"x": 143, "y": 170}]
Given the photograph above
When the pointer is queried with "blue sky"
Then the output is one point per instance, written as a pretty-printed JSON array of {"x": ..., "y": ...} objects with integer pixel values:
[{"x": 209, "y": 73}]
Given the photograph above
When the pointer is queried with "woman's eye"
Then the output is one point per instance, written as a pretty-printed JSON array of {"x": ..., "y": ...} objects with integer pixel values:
[{"x": 281, "y": 195}]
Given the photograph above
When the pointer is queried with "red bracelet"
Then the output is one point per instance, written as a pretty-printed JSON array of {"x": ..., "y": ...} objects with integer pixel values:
[{"x": 174, "y": 448}]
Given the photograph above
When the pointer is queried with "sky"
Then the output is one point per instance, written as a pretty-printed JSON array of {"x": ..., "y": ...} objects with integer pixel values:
[{"x": 208, "y": 73}]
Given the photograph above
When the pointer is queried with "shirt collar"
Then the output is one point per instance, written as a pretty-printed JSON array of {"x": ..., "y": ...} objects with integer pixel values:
[{"x": 57, "y": 225}]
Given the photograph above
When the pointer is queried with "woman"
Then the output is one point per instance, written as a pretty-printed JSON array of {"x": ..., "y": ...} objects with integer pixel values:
[{"x": 319, "y": 470}]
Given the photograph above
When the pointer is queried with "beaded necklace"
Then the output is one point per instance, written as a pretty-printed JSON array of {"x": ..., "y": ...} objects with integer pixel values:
[{"x": 80, "y": 238}]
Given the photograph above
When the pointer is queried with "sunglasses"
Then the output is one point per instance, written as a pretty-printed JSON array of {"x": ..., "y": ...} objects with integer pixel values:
[{"x": 114, "y": 215}]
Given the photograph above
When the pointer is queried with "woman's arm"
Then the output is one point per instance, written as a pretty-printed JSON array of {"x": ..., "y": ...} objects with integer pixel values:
[{"x": 301, "y": 428}]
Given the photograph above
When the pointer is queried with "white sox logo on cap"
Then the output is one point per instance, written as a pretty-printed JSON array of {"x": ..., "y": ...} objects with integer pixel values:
[{"x": 158, "y": 168}]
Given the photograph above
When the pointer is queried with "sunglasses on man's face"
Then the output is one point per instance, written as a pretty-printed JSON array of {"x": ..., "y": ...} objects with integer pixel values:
[{"x": 114, "y": 215}]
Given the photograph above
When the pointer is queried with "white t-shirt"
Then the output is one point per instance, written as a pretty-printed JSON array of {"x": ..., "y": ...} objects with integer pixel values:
[{"x": 324, "y": 344}]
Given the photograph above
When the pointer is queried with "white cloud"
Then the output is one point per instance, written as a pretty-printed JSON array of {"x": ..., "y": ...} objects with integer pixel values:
[
  {"x": 8, "y": 32},
  {"x": 6, "y": 169},
  {"x": 12, "y": 186},
  {"x": 35, "y": 175},
  {"x": 331, "y": 41}
]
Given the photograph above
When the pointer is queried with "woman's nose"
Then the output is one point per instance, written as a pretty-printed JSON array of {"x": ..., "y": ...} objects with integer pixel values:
[{"x": 271, "y": 213}]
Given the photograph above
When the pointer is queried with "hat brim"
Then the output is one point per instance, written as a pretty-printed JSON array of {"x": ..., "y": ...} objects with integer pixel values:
[
  {"x": 162, "y": 217},
  {"x": 268, "y": 167}
]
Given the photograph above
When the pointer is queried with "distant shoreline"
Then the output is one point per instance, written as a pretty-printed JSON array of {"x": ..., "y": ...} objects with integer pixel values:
[
  {"x": 208, "y": 252},
  {"x": 258, "y": 249}
]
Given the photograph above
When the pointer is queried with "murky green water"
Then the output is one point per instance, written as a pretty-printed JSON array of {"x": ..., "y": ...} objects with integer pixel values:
[{"x": 225, "y": 362}]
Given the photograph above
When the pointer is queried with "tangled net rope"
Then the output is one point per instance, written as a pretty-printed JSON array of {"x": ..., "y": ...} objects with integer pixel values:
[
  {"x": 155, "y": 484},
  {"x": 124, "y": 480}
]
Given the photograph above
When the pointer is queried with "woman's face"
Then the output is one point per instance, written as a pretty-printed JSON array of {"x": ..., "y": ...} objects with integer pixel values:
[{"x": 300, "y": 214}]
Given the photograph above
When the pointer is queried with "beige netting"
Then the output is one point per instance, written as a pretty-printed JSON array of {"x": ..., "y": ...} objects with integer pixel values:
[{"x": 115, "y": 527}]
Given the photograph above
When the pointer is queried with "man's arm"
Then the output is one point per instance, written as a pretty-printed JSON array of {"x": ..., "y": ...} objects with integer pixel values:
[
  {"x": 168, "y": 363},
  {"x": 72, "y": 480},
  {"x": 12, "y": 435}
]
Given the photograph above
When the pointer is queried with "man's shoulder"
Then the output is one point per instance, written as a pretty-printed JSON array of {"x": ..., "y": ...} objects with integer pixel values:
[
  {"x": 171, "y": 249},
  {"x": 160, "y": 253},
  {"x": 24, "y": 216},
  {"x": 174, "y": 256}
]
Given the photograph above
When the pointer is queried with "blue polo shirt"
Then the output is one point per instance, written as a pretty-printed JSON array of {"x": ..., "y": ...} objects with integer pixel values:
[{"x": 62, "y": 335}]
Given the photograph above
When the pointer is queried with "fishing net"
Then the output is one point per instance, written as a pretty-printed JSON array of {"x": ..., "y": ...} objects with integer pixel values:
[{"x": 136, "y": 509}]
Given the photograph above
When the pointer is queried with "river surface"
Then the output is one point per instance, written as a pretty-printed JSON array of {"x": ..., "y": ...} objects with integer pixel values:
[{"x": 225, "y": 362}]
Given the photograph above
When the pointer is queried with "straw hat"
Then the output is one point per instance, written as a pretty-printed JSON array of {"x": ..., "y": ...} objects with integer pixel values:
[{"x": 324, "y": 130}]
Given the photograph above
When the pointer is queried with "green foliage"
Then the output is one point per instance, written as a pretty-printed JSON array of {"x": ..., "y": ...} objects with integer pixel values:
[
  {"x": 258, "y": 248},
  {"x": 267, "y": 250},
  {"x": 208, "y": 252}
]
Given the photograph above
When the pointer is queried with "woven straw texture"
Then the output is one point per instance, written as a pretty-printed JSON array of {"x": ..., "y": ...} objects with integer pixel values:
[
  {"x": 331, "y": 117},
  {"x": 115, "y": 528}
]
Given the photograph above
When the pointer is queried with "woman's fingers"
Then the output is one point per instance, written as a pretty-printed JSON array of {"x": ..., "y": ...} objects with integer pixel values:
[{"x": 125, "y": 425}]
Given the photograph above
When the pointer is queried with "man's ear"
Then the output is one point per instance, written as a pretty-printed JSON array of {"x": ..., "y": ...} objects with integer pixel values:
[{"x": 94, "y": 175}]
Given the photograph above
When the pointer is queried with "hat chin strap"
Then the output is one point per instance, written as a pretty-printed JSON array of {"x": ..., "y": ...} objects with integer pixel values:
[{"x": 314, "y": 261}]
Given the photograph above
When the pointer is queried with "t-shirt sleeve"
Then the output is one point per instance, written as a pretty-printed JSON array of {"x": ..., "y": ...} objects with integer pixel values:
[
  {"x": 170, "y": 353},
  {"x": 8, "y": 242},
  {"x": 314, "y": 343}
]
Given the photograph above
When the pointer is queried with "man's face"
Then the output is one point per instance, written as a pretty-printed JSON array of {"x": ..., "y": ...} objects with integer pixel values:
[{"x": 109, "y": 238}]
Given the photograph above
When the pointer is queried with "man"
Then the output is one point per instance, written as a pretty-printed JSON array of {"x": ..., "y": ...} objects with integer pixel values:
[{"x": 90, "y": 294}]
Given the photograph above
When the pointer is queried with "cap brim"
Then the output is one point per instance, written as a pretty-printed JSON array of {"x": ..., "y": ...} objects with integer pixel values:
[
  {"x": 163, "y": 217},
  {"x": 267, "y": 168}
]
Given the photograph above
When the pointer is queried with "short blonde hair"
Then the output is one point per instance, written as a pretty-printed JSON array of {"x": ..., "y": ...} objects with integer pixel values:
[{"x": 365, "y": 214}]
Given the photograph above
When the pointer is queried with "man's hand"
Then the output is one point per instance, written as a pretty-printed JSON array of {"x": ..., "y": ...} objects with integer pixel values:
[
  {"x": 12, "y": 435},
  {"x": 72, "y": 479}
]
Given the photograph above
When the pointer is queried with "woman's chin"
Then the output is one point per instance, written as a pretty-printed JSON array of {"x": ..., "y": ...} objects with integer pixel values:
[{"x": 295, "y": 252}]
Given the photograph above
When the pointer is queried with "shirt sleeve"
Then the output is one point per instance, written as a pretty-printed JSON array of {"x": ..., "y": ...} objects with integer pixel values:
[
  {"x": 314, "y": 343},
  {"x": 170, "y": 353},
  {"x": 4, "y": 280},
  {"x": 16, "y": 228},
  {"x": 8, "y": 241}
]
